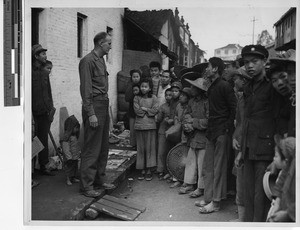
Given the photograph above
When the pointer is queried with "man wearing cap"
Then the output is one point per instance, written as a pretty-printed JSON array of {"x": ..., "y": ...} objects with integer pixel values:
[
  {"x": 258, "y": 131},
  {"x": 240, "y": 78},
  {"x": 283, "y": 77},
  {"x": 95, "y": 116},
  {"x": 222, "y": 109},
  {"x": 42, "y": 103}
]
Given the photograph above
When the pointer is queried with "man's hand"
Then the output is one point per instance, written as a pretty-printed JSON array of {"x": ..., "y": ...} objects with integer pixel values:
[
  {"x": 144, "y": 109},
  {"x": 188, "y": 128},
  {"x": 170, "y": 121},
  {"x": 280, "y": 216},
  {"x": 93, "y": 121},
  {"x": 235, "y": 144},
  {"x": 272, "y": 168},
  {"x": 238, "y": 160}
]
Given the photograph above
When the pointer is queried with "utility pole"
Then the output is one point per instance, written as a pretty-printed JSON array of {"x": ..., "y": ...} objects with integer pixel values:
[{"x": 253, "y": 21}]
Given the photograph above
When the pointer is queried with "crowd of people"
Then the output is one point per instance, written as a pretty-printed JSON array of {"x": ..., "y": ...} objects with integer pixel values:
[
  {"x": 238, "y": 124},
  {"x": 235, "y": 120}
]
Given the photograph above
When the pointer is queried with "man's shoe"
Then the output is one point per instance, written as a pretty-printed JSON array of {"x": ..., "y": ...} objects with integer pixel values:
[
  {"x": 91, "y": 193},
  {"x": 108, "y": 186}
]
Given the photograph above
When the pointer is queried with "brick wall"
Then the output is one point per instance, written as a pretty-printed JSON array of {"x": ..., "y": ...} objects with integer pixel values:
[
  {"x": 135, "y": 59},
  {"x": 58, "y": 33}
]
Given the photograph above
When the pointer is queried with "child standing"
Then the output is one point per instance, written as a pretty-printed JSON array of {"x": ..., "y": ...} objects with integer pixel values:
[
  {"x": 163, "y": 144},
  {"x": 195, "y": 124},
  {"x": 155, "y": 69},
  {"x": 164, "y": 84},
  {"x": 181, "y": 108},
  {"x": 71, "y": 148},
  {"x": 135, "y": 77},
  {"x": 48, "y": 66},
  {"x": 145, "y": 107},
  {"x": 176, "y": 87},
  {"x": 283, "y": 207}
]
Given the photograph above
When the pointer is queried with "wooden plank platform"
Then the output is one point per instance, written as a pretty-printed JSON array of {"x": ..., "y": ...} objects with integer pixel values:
[
  {"x": 125, "y": 203},
  {"x": 119, "y": 208}
]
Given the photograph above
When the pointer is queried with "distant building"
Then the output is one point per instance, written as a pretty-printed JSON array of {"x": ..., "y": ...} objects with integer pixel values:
[
  {"x": 229, "y": 52},
  {"x": 286, "y": 31},
  {"x": 158, "y": 35},
  {"x": 149, "y": 36},
  {"x": 189, "y": 53}
]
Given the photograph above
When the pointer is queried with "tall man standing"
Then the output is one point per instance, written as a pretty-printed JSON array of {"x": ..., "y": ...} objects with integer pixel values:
[
  {"x": 42, "y": 103},
  {"x": 222, "y": 109},
  {"x": 258, "y": 131},
  {"x": 95, "y": 116}
]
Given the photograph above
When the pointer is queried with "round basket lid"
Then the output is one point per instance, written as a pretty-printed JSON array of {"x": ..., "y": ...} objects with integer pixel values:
[
  {"x": 176, "y": 160},
  {"x": 269, "y": 182}
]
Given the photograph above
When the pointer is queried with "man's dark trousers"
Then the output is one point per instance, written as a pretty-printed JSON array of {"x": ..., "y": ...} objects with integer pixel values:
[
  {"x": 256, "y": 202},
  {"x": 95, "y": 148},
  {"x": 42, "y": 125}
]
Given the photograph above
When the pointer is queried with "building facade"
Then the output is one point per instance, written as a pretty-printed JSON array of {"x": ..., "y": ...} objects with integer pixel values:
[
  {"x": 229, "y": 52},
  {"x": 285, "y": 29},
  {"x": 68, "y": 35}
]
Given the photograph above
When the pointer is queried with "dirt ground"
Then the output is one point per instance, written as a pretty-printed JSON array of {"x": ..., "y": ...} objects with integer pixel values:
[{"x": 165, "y": 204}]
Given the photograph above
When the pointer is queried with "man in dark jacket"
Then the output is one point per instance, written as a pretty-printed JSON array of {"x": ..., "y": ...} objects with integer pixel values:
[
  {"x": 258, "y": 132},
  {"x": 42, "y": 103},
  {"x": 222, "y": 109}
]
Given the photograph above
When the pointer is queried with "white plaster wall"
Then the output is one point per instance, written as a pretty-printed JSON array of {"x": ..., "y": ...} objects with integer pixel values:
[
  {"x": 58, "y": 33},
  {"x": 164, "y": 39}
]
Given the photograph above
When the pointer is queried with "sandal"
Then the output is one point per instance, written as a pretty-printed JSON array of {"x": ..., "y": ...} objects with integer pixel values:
[
  {"x": 210, "y": 208},
  {"x": 148, "y": 176},
  {"x": 167, "y": 176},
  {"x": 186, "y": 189},
  {"x": 201, "y": 203},
  {"x": 197, "y": 193},
  {"x": 175, "y": 184},
  {"x": 161, "y": 176}
]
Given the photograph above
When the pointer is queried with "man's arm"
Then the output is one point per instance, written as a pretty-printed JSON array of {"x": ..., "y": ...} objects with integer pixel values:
[
  {"x": 231, "y": 102},
  {"x": 85, "y": 73}
]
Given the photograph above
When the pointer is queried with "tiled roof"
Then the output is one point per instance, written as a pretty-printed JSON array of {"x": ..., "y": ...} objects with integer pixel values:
[
  {"x": 150, "y": 21},
  {"x": 290, "y": 11}
]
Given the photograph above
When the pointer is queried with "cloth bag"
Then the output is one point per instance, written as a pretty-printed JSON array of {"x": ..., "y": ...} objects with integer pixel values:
[{"x": 173, "y": 134}]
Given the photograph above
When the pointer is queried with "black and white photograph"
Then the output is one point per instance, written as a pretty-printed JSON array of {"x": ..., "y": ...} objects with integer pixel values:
[{"x": 149, "y": 113}]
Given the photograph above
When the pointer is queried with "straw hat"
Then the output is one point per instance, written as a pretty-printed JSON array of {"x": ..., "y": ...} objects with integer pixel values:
[{"x": 200, "y": 83}]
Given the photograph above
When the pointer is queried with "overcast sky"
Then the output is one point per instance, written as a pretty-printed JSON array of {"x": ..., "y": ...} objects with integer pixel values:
[
  {"x": 214, "y": 24},
  {"x": 214, "y": 28}
]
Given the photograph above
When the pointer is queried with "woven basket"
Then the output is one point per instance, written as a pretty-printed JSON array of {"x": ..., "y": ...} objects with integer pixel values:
[{"x": 176, "y": 160}]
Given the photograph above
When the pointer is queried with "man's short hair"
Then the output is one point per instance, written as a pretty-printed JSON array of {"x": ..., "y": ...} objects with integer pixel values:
[
  {"x": 155, "y": 64},
  {"x": 168, "y": 90},
  {"x": 217, "y": 62},
  {"x": 100, "y": 36},
  {"x": 167, "y": 71}
]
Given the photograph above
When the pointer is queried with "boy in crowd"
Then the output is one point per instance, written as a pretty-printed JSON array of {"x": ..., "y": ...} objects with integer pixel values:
[
  {"x": 155, "y": 69},
  {"x": 195, "y": 125},
  {"x": 258, "y": 130},
  {"x": 164, "y": 84},
  {"x": 163, "y": 144},
  {"x": 240, "y": 79}
]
